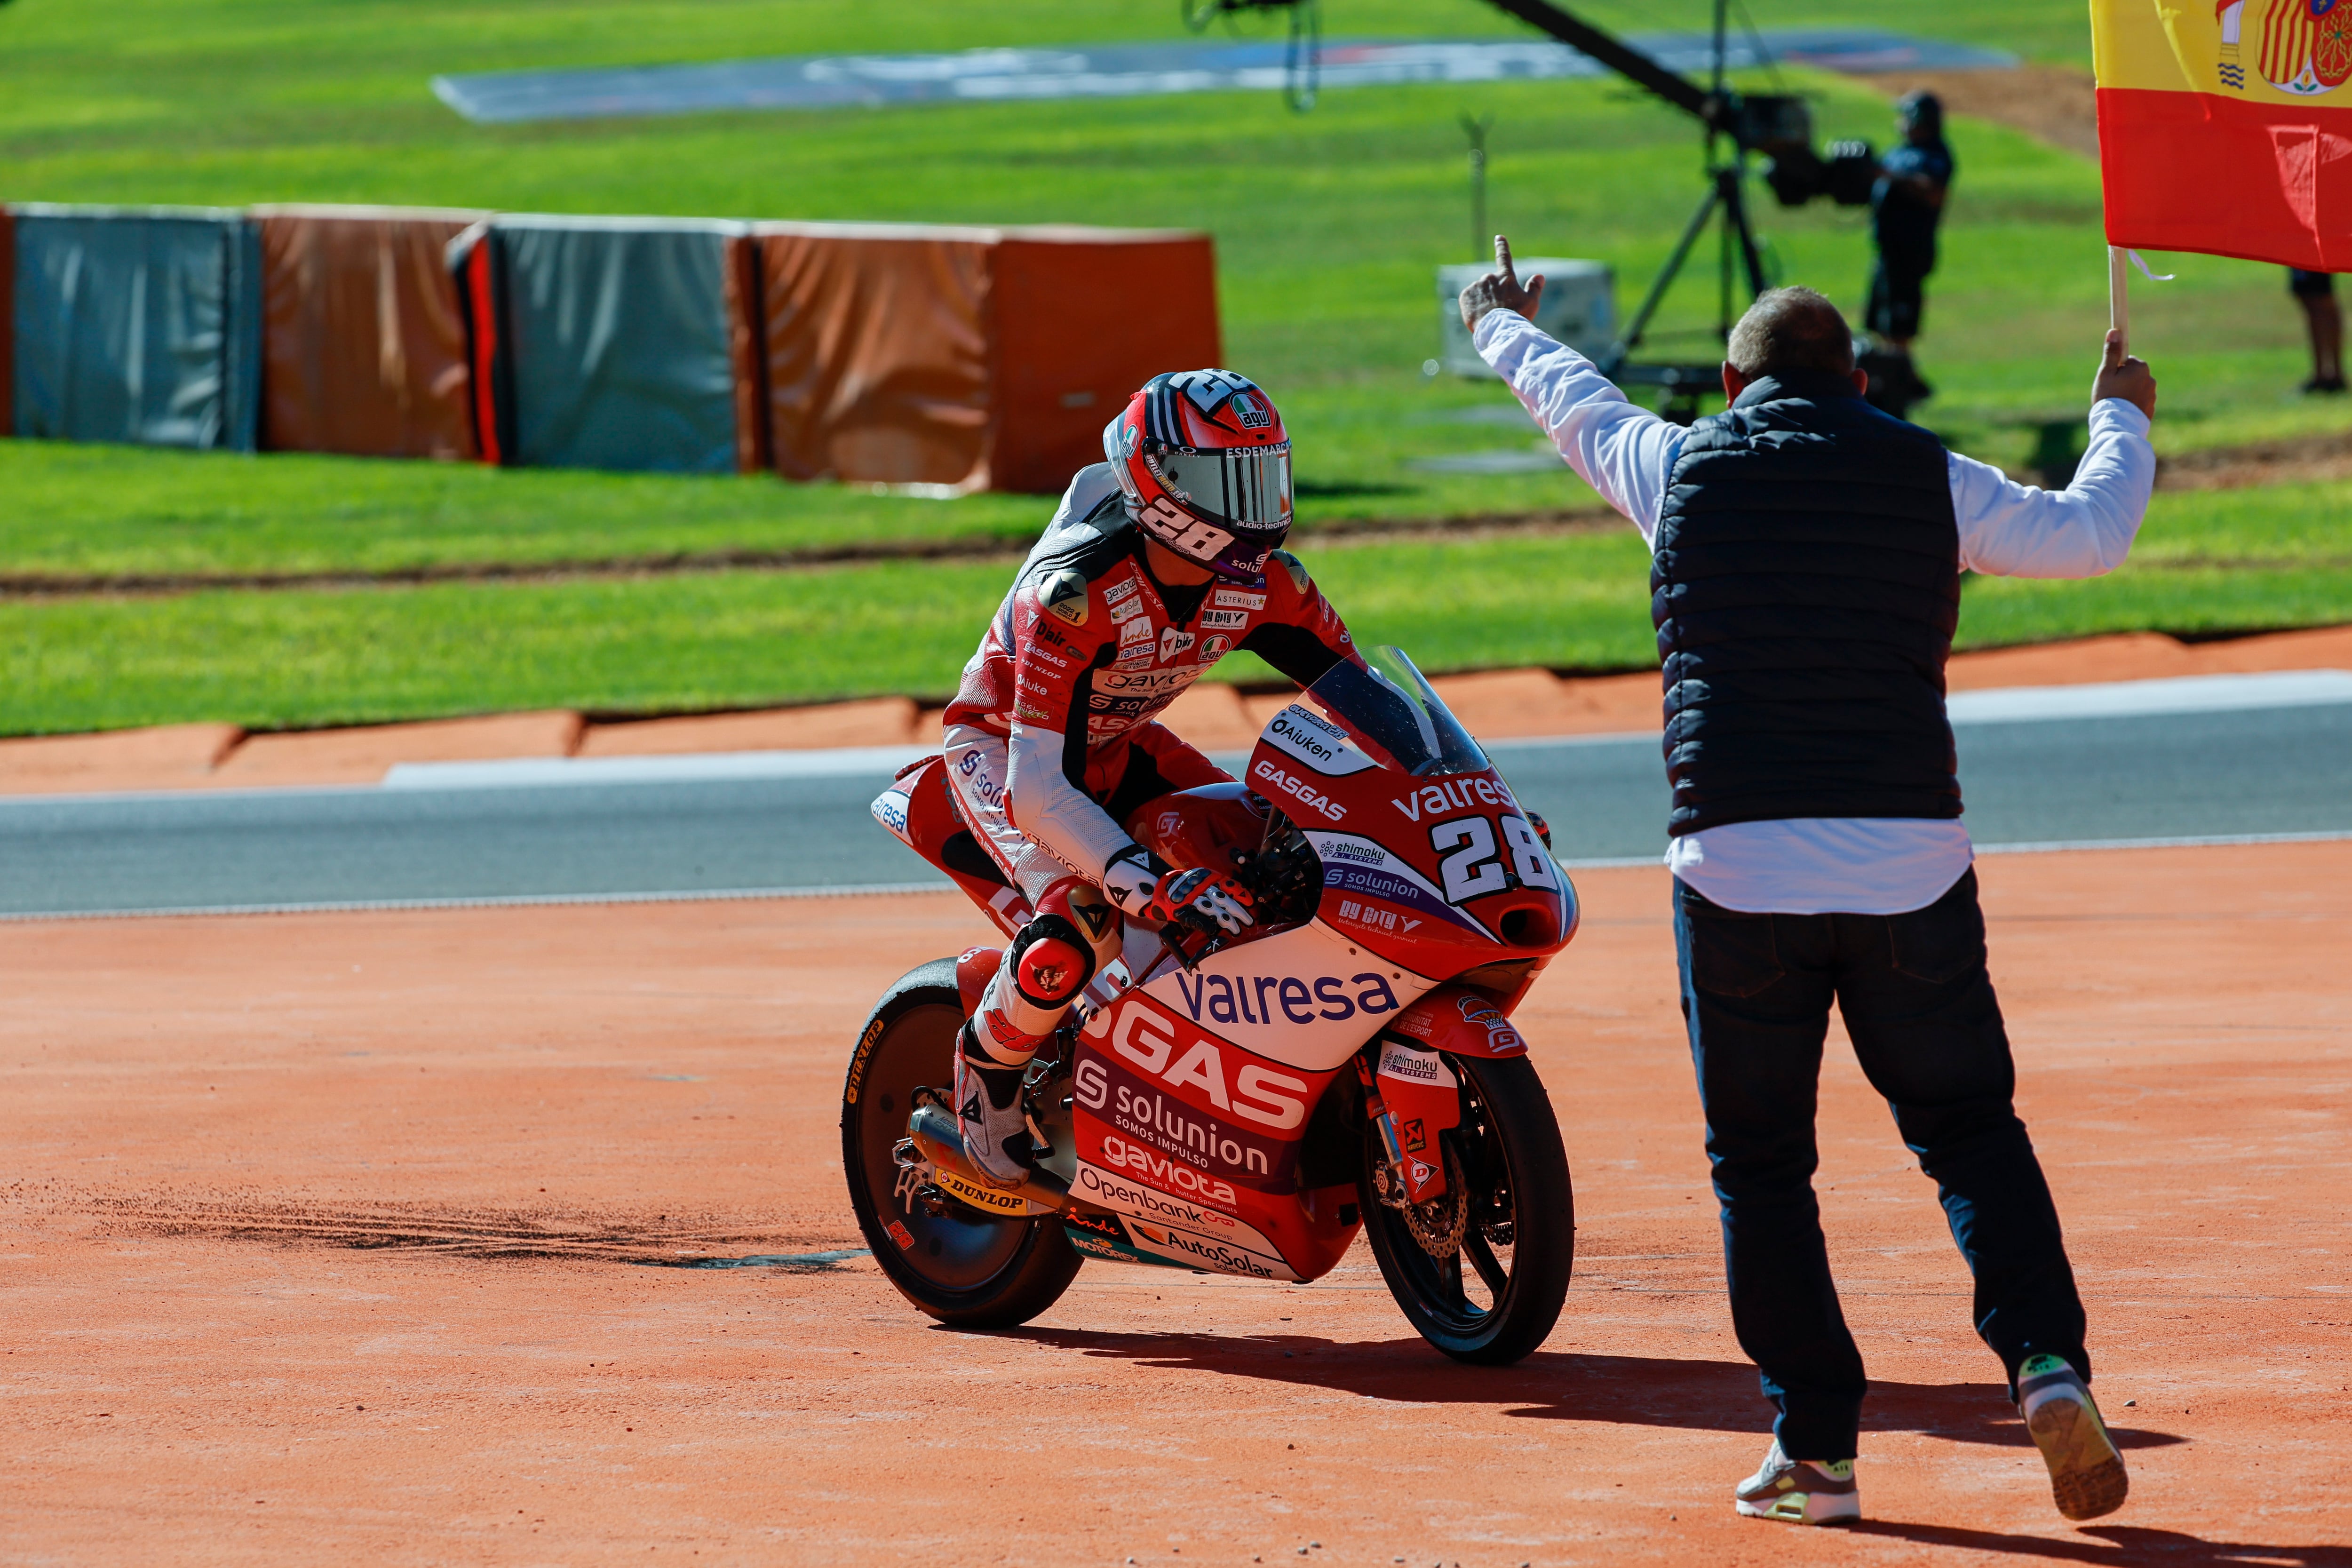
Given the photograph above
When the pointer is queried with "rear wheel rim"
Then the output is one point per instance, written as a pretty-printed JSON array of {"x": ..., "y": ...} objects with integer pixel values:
[{"x": 955, "y": 1252}]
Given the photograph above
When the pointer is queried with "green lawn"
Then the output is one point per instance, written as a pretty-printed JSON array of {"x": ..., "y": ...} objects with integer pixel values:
[
  {"x": 2207, "y": 561},
  {"x": 1328, "y": 228}
]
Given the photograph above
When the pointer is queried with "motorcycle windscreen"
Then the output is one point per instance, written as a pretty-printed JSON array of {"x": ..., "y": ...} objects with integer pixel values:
[{"x": 1391, "y": 706}]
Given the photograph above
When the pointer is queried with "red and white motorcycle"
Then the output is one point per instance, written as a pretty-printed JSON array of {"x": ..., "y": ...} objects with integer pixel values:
[{"x": 1243, "y": 1105}]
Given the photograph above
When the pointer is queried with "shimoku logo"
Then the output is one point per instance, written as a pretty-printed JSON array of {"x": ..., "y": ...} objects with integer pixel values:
[{"x": 1415, "y": 1064}]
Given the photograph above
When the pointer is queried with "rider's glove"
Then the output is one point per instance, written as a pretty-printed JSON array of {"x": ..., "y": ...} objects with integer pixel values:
[
  {"x": 1148, "y": 893},
  {"x": 1131, "y": 877},
  {"x": 1204, "y": 900}
]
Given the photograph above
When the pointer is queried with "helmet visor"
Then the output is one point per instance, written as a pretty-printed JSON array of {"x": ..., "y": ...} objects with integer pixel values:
[{"x": 1247, "y": 488}]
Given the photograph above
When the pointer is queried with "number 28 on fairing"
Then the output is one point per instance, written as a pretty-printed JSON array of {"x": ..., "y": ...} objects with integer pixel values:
[{"x": 1470, "y": 867}]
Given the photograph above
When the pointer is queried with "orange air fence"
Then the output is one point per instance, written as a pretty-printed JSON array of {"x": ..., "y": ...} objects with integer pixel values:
[
  {"x": 969, "y": 358},
  {"x": 944, "y": 358},
  {"x": 363, "y": 345}
]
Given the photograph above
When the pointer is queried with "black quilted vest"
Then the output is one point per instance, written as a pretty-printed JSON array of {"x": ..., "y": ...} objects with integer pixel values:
[{"x": 1805, "y": 589}]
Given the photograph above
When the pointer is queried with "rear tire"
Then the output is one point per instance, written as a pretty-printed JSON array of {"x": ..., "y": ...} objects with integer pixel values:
[
  {"x": 963, "y": 1269},
  {"x": 1518, "y": 1242}
]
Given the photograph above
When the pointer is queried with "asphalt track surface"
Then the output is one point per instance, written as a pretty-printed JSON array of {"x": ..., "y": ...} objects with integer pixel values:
[{"x": 711, "y": 827}]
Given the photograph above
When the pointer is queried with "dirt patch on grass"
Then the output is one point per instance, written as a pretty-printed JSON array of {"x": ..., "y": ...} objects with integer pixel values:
[
  {"x": 2298, "y": 460},
  {"x": 2056, "y": 104}
]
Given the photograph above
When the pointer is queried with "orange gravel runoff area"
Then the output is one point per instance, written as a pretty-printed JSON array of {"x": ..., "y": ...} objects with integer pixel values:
[{"x": 337, "y": 1238}]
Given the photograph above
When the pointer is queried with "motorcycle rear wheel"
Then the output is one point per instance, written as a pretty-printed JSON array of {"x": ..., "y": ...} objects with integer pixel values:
[
  {"x": 966, "y": 1270},
  {"x": 1519, "y": 1237}
]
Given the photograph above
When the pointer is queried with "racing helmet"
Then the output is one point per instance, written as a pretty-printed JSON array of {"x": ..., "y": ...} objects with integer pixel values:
[{"x": 1204, "y": 461}]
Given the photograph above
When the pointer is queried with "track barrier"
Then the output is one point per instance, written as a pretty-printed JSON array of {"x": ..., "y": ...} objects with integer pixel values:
[
  {"x": 137, "y": 324},
  {"x": 364, "y": 340},
  {"x": 942, "y": 359}
]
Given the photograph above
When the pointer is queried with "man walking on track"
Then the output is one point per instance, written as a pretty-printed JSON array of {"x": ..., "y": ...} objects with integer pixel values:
[{"x": 1807, "y": 552}]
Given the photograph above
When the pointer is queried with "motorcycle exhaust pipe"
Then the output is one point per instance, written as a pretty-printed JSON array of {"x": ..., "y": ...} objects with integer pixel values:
[{"x": 935, "y": 1135}]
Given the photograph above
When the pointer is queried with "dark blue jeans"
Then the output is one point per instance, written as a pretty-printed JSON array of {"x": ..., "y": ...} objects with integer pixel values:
[{"x": 1919, "y": 1006}]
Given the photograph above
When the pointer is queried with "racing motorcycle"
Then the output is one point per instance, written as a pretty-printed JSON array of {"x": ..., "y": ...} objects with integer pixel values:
[{"x": 1245, "y": 1104}]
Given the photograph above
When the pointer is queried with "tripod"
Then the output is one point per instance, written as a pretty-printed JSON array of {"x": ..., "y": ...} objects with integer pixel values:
[
  {"x": 1725, "y": 199},
  {"x": 1775, "y": 125}
]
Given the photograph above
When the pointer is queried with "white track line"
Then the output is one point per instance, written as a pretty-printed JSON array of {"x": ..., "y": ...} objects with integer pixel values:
[
  {"x": 501, "y": 900},
  {"x": 860, "y": 890}
]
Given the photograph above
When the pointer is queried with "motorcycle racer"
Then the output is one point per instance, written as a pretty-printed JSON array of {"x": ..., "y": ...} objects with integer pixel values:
[{"x": 1157, "y": 564}]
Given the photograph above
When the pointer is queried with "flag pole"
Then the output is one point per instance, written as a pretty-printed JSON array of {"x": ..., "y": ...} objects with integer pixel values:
[{"x": 2118, "y": 293}]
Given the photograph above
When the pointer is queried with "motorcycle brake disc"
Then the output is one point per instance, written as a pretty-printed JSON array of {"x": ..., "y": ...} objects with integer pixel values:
[{"x": 1438, "y": 1224}]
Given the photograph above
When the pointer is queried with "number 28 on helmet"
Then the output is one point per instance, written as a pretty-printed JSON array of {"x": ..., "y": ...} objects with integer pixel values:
[{"x": 1205, "y": 464}]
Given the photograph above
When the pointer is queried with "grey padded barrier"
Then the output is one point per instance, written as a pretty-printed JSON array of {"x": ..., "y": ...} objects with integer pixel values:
[
  {"x": 620, "y": 341},
  {"x": 138, "y": 324}
]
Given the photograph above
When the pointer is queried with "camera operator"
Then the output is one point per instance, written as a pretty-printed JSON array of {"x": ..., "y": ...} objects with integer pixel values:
[
  {"x": 2322, "y": 321},
  {"x": 1906, "y": 202}
]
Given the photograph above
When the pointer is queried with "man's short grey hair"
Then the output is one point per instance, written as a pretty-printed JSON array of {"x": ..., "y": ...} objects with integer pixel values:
[{"x": 1791, "y": 329}]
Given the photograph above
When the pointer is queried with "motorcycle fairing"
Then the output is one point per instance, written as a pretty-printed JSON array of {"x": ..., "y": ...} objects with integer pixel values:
[
  {"x": 1306, "y": 997},
  {"x": 1136, "y": 1199},
  {"x": 1421, "y": 1098},
  {"x": 1461, "y": 1022},
  {"x": 1105, "y": 1236},
  {"x": 1147, "y": 1075},
  {"x": 1197, "y": 1141},
  {"x": 1432, "y": 873}
]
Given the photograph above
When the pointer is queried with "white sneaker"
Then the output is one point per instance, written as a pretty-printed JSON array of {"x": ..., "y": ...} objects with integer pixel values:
[
  {"x": 1800, "y": 1492},
  {"x": 989, "y": 1115}
]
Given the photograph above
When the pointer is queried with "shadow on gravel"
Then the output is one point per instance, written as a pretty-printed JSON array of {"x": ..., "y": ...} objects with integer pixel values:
[
  {"x": 2116, "y": 1543},
  {"x": 1621, "y": 1390}
]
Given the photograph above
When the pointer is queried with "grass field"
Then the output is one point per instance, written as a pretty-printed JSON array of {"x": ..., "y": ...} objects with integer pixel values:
[
  {"x": 2207, "y": 562},
  {"x": 1327, "y": 227}
]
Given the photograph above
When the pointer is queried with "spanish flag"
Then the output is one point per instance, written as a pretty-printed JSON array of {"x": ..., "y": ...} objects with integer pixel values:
[{"x": 2225, "y": 126}]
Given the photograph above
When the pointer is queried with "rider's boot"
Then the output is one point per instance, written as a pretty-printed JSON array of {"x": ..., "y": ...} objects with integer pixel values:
[{"x": 1049, "y": 962}]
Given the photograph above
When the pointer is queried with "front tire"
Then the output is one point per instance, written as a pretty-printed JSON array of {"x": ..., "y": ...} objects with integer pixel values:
[
  {"x": 963, "y": 1269},
  {"x": 1518, "y": 1237}
]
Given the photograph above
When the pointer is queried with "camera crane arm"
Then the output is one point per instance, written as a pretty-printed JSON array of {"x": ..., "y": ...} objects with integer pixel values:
[
  {"x": 1711, "y": 108},
  {"x": 1777, "y": 126}
]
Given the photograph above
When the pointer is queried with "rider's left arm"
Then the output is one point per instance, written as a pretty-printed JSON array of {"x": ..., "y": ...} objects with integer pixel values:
[{"x": 1300, "y": 635}]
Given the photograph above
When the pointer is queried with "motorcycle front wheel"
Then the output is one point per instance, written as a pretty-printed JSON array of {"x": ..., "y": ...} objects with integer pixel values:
[
  {"x": 962, "y": 1267},
  {"x": 1482, "y": 1270}
]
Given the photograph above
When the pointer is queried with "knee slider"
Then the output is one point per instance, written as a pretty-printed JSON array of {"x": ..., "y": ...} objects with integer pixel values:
[
  {"x": 1050, "y": 962},
  {"x": 1082, "y": 904}
]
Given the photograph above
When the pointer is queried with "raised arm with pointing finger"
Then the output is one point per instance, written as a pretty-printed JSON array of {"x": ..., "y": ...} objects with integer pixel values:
[{"x": 2006, "y": 528}]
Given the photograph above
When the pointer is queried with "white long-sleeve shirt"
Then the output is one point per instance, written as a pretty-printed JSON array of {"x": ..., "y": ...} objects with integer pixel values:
[{"x": 1813, "y": 865}]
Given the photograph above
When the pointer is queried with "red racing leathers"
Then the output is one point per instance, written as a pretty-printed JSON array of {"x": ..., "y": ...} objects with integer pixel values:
[
  {"x": 1051, "y": 747},
  {"x": 1087, "y": 650}
]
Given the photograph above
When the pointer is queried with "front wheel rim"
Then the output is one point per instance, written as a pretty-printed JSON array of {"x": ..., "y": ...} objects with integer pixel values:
[{"x": 1443, "y": 1290}]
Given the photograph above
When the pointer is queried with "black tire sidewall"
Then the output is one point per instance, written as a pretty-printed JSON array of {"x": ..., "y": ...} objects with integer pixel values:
[
  {"x": 1545, "y": 1215},
  {"x": 1038, "y": 1273}
]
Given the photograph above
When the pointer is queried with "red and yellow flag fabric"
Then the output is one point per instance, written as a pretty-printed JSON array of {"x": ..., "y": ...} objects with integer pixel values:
[{"x": 2225, "y": 126}]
